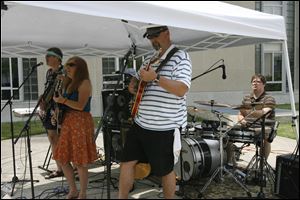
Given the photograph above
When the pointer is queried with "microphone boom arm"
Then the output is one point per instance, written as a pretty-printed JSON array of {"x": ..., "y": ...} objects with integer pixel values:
[{"x": 220, "y": 66}]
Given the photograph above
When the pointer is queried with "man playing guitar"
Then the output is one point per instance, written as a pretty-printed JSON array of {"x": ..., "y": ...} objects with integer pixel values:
[{"x": 160, "y": 113}]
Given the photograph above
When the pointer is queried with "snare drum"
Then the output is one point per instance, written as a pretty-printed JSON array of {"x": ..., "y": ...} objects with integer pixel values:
[{"x": 238, "y": 134}]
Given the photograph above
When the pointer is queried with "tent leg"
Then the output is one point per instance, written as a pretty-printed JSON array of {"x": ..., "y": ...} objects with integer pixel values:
[{"x": 290, "y": 85}]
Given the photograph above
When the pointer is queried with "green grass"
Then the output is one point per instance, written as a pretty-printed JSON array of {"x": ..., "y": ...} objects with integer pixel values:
[
  {"x": 35, "y": 128},
  {"x": 285, "y": 128},
  {"x": 287, "y": 106}
]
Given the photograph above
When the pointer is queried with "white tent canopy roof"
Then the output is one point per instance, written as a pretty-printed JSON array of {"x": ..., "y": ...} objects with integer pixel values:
[{"x": 95, "y": 28}]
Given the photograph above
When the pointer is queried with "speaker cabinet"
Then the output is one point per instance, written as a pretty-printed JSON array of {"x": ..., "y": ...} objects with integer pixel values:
[
  {"x": 117, "y": 107},
  {"x": 115, "y": 137},
  {"x": 287, "y": 176}
]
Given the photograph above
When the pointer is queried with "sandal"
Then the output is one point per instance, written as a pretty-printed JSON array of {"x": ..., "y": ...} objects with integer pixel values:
[
  {"x": 73, "y": 195},
  {"x": 54, "y": 174}
]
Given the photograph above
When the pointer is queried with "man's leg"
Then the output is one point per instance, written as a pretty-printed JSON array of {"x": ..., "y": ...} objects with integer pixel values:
[
  {"x": 53, "y": 139},
  {"x": 169, "y": 185},
  {"x": 267, "y": 149},
  {"x": 126, "y": 178}
]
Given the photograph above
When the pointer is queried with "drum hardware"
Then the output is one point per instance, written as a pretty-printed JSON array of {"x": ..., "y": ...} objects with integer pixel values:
[
  {"x": 259, "y": 170},
  {"x": 261, "y": 159},
  {"x": 221, "y": 168},
  {"x": 238, "y": 150}
]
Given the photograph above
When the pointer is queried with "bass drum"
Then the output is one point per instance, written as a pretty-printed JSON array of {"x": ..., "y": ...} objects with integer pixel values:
[{"x": 200, "y": 158}]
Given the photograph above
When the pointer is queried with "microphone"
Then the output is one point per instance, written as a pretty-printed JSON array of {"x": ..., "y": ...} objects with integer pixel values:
[
  {"x": 224, "y": 72},
  {"x": 40, "y": 63}
]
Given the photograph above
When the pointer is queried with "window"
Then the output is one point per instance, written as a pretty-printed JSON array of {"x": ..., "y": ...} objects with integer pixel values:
[
  {"x": 273, "y": 7},
  {"x": 273, "y": 71},
  {"x": 109, "y": 65},
  {"x": 271, "y": 54},
  {"x": 9, "y": 78},
  {"x": 12, "y": 76},
  {"x": 31, "y": 85}
]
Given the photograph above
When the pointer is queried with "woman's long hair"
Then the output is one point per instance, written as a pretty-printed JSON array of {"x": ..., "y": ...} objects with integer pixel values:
[{"x": 81, "y": 74}]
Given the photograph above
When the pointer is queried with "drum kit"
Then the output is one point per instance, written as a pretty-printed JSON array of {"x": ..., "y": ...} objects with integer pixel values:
[{"x": 202, "y": 153}]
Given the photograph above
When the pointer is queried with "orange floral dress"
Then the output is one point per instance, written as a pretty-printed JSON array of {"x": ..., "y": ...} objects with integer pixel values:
[{"x": 76, "y": 143}]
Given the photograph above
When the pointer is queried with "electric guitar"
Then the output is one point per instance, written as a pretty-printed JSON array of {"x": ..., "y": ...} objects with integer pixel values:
[{"x": 142, "y": 85}]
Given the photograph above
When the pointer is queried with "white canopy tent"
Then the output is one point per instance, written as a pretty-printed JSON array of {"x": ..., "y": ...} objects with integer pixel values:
[{"x": 96, "y": 28}]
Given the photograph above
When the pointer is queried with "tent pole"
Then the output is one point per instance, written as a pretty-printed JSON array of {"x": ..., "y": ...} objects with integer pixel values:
[{"x": 290, "y": 85}]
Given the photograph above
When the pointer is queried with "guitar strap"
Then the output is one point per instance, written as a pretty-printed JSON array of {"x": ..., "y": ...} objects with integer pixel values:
[{"x": 170, "y": 54}]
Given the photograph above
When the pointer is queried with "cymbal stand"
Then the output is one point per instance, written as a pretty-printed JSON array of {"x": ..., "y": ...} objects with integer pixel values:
[
  {"x": 220, "y": 169},
  {"x": 262, "y": 160},
  {"x": 254, "y": 166}
]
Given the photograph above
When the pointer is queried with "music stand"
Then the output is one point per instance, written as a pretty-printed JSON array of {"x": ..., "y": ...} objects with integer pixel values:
[{"x": 222, "y": 168}]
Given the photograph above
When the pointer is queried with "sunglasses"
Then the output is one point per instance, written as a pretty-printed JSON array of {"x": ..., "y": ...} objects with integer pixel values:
[{"x": 71, "y": 64}]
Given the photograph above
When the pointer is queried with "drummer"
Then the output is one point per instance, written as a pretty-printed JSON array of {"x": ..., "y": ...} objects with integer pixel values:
[{"x": 255, "y": 106}]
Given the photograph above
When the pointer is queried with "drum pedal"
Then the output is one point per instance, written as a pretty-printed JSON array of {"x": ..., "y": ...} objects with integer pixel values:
[
  {"x": 240, "y": 175},
  {"x": 255, "y": 181}
]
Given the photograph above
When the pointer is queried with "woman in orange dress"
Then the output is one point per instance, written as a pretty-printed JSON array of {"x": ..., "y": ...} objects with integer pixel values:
[{"x": 76, "y": 142}]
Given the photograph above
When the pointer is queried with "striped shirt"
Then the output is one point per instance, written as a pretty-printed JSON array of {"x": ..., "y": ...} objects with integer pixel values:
[
  {"x": 266, "y": 100},
  {"x": 160, "y": 110}
]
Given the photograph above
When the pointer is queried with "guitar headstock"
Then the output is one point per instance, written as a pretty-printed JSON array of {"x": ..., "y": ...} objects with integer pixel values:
[{"x": 155, "y": 56}]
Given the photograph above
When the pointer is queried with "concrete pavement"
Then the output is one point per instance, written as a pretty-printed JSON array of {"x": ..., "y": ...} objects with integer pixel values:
[{"x": 54, "y": 188}]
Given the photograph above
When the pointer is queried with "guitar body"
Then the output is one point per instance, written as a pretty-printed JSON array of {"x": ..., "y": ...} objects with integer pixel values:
[{"x": 138, "y": 98}]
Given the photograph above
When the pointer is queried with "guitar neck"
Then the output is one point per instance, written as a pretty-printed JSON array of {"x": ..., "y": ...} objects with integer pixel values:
[{"x": 141, "y": 88}]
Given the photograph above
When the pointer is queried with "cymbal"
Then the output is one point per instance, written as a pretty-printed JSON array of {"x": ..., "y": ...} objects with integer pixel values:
[
  {"x": 212, "y": 103},
  {"x": 192, "y": 110}
]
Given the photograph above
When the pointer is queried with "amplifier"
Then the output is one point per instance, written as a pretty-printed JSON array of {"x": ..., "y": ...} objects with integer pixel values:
[
  {"x": 116, "y": 136},
  {"x": 287, "y": 176}
]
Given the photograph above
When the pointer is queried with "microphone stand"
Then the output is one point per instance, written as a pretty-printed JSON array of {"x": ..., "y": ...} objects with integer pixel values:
[
  {"x": 104, "y": 124},
  {"x": 15, "y": 179},
  {"x": 209, "y": 69}
]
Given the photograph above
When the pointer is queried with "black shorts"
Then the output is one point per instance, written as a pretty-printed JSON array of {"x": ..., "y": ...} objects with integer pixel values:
[{"x": 154, "y": 147}]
